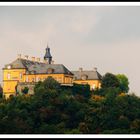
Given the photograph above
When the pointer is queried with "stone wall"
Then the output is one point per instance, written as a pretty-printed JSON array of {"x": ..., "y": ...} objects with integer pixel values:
[
  {"x": 31, "y": 86},
  {"x": 21, "y": 86}
]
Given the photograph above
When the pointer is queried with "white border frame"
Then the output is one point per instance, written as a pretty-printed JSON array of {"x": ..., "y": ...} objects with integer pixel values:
[{"x": 69, "y": 4}]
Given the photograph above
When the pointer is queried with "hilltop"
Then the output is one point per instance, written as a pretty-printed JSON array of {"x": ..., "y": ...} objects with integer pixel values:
[{"x": 56, "y": 109}]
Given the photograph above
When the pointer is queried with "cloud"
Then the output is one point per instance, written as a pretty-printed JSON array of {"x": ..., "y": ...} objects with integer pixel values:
[{"x": 121, "y": 23}]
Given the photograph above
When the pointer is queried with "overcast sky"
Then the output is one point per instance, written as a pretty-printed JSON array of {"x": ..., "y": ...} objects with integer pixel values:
[{"x": 104, "y": 37}]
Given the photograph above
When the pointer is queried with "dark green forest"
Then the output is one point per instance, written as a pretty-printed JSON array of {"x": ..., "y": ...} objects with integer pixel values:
[{"x": 56, "y": 109}]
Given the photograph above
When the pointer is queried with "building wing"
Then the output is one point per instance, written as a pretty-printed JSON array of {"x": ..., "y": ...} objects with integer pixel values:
[
  {"x": 90, "y": 75},
  {"x": 38, "y": 67}
]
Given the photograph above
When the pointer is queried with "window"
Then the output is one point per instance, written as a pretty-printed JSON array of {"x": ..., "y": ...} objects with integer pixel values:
[
  {"x": 59, "y": 80},
  {"x": 84, "y": 77},
  {"x": 99, "y": 85},
  {"x": 33, "y": 79},
  {"x": 27, "y": 79},
  {"x": 50, "y": 70},
  {"x": 33, "y": 72},
  {"x": 84, "y": 83},
  {"x": 43, "y": 79},
  {"x": 67, "y": 80},
  {"x": 27, "y": 72},
  {"x": 8, "y": 76},
  {"x": 38, "y": 79},
  {"x": 20, "y": 75},
  {"x": 55, "y": 78},
  {"x": 93, "y": 86},
  {"x": 70, "y": 80}
]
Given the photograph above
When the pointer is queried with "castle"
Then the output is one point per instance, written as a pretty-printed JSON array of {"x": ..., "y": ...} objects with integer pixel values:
[{"x": 26, "y": 72}]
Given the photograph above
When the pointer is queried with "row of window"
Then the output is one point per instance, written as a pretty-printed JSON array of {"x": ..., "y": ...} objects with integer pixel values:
[
  {"x": 9, "y": 76},
  {"x": 93, "y": 86},
  {"x": 59, "y": 79},
  {"x": 37, "y": 79},
  {"x": 68, "y": 80}
]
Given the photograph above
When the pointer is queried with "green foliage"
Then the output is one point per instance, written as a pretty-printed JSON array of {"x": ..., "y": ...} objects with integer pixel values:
[
  {"x": 25, "y": 90},
  {"x": 1, "y": 91},
  {"x": 54, "y": 109},
  {"x": 119, "y": 81},
  {"x": 135, "y": 126},
  {"x": 50, "y": 84},
  {"x": 81, "y": 89},
  {"x": 123, "y": 80},
  {"x": 109, "y": 80}
]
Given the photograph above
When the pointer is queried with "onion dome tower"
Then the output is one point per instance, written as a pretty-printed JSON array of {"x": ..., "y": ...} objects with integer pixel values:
[{"x": 48, "y": 57}]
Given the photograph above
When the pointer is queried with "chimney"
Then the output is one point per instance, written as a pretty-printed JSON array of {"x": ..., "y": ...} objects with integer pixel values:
[
  {"x": 19, "y": 55},
  {"x": 80, "y": 69},
  {"x": 95, "y": 69},
  {"x": 38, "y": 59},
  {"x": 26, "y": 57},
  {"x": 33, "y": 58}
]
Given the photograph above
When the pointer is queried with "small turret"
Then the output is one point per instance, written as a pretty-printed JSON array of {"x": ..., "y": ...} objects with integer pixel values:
[{"x": 48, "y": 57}]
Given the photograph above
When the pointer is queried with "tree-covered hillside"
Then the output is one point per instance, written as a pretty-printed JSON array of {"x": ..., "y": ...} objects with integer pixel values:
[{"x": 55, "y": 109}]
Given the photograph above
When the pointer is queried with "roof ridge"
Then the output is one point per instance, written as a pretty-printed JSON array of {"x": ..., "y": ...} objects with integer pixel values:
[
  {"x": 86, "y": 70},
  {"x": 90, "y": 73},
  {"x": 31, "y": 60}
]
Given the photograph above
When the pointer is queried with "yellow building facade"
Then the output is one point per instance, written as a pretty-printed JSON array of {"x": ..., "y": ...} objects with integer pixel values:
[
  {"x": 23, "y": 70},
  {"x": 92, "y": 78},
  {"x": 10, "y": 79},
  {"x": 27, "y": 71}
]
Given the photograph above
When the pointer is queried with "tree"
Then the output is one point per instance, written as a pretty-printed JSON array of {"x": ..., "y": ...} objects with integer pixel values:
[
  {"x": 1, "y": 91},
  {"x": 25, "y": 90},
  {"x": 54, "y": 109},
  {"x": 109, "y": 80},
  {"x": 83, "y": 90},
  {"x": 46, "y": 89},
  {"x": 135, "y": 125},
  {"x": 83, "y": 127},
  {"x": 51, "y": 83},
  {"x": 123, "y": 80}
]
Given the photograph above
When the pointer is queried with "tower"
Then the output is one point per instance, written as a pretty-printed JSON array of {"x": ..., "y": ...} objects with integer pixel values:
[{"x": 48, "y": 57}]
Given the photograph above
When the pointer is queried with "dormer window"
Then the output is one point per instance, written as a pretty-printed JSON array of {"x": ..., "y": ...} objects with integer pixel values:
[
  {"x": 9, "y": 76},
  {"x": 33, "y": 72},
  {"x": 9, "y": 67},
  {"x": 84, "y": 77},
  {"x": 50, "y": 70},
  {"x": 27, "y": 72}
]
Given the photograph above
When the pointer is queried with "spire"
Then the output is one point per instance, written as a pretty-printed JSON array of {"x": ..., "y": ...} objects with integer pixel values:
[
  {"x": 47, "y": 45},
  {"x": 48, "y": 57}
]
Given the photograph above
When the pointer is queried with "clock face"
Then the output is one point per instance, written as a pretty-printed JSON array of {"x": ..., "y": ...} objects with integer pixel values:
[{"x": 9, "y": 67}]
